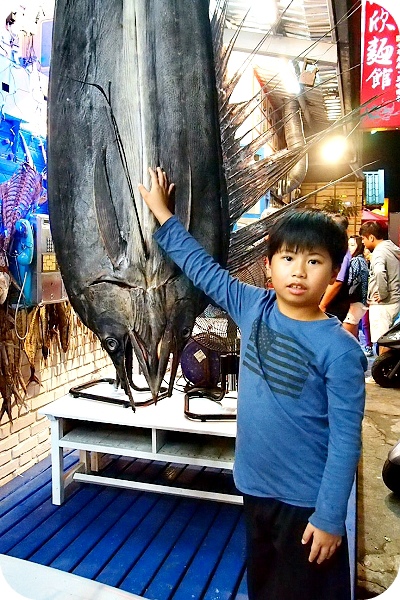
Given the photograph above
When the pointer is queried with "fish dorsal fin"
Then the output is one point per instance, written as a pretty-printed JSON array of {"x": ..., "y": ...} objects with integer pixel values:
[{"x": 107, "y": 219}]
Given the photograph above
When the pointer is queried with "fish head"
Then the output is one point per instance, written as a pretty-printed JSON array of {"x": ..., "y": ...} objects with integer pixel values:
[
  {"x": 154, "y": 323},
  {"x": 165, "y": 320},
  {"x": 105, "y": 308}
]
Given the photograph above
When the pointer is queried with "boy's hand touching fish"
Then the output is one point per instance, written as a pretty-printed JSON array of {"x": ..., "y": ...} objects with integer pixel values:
[{"x": 159, "y": 196}]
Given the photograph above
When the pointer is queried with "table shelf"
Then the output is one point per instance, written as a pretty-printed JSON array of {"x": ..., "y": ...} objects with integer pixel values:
[
  {"x": 154, "y": 444},
  {"x": 116, "y": 440},
  {"x": 158, "y": 432}
]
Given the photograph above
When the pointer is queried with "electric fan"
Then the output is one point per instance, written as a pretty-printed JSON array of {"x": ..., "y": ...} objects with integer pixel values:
[
  {"x": 210, "y": 362},
  {"x": 210, "y": 359}
]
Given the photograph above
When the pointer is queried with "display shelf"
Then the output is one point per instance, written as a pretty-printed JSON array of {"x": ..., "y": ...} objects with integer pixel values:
[
  {"x": 191, "y": 448},
  {"x": 197, "y": 449},
  {"x": 127, "y": 441},
  {"x": 157, "y": 432}
]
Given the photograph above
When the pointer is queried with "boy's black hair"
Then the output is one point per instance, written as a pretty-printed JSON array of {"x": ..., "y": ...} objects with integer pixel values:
[{"x": 308, "y": 229}]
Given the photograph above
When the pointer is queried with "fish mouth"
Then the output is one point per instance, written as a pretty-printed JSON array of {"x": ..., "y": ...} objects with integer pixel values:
[
  {"x": 123, "y": 363},
  {"x": 154, "y": 362},
  {"x": 124, "y": 380}
]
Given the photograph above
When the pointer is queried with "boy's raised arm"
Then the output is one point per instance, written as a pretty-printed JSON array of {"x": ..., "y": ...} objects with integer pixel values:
[{"x": 158, "y": 198}]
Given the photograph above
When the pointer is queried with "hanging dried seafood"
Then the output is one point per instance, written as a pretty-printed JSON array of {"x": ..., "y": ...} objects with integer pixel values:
[
  {"x": 26, "y": 336},
  {"x": 12, "y": 385}
]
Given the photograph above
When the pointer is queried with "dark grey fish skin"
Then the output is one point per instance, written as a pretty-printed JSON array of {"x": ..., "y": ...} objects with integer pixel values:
[{"x": 132, "y": 84}]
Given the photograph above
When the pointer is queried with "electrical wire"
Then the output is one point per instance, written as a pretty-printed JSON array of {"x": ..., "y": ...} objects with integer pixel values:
[{"x": 17, "y": 309}]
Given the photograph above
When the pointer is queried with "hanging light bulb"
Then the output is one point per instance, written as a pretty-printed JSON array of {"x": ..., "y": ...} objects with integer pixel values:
[{"x": 334, "y": 149}]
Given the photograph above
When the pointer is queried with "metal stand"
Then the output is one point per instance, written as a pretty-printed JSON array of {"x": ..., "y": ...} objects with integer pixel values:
[{"x": 229, "y": 377}]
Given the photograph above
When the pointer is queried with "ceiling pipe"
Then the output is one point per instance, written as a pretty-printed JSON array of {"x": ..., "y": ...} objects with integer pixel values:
[{"x": 294, "y": 134}]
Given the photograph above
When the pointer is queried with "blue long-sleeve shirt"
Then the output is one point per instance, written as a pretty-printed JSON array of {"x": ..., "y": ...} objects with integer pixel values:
[{"x": 301, "y": 392}]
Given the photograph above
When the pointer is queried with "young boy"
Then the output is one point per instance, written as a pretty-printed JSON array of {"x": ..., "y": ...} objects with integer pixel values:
[{"x": 300, "y": 401}]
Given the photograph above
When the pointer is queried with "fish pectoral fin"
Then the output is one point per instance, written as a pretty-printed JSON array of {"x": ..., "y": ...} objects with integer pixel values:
[{"x": 107, "y": 219}]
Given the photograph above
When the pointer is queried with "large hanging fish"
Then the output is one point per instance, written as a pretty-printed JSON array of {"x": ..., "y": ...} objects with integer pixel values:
[{"x": 133, "y": 83}]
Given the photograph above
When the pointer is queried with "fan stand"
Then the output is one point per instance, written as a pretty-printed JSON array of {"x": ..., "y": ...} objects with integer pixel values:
[
  {"x": 229, "y": 375},
  {"x": 79, "y": 391}
]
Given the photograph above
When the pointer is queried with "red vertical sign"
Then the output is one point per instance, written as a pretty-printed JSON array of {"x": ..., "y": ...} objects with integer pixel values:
[{"x": 380, "y": 72}]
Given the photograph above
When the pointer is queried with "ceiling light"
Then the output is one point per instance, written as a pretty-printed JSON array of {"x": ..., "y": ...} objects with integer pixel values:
[
  {"x": 263, "y": 11},
  {"x": 334, "y": 149}
]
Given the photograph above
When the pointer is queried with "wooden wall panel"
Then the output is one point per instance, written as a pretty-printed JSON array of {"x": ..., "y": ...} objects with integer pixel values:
[{"x": 345, "y": 192}]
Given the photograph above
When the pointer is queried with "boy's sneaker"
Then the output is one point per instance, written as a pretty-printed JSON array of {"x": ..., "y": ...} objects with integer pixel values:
[{"x": 368, "y": 351}]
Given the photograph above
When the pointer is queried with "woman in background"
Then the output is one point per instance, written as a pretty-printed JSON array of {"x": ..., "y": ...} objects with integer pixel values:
[
  {"x": 358, "y": 285},
  {"x": 364, "y": 325}
]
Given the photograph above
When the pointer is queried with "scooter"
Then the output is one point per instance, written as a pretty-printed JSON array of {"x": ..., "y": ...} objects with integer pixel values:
[
  {"x": 386, "y": 372},
  {"x": 391, "y": 470},
  {"x": 386, "y": 368}
]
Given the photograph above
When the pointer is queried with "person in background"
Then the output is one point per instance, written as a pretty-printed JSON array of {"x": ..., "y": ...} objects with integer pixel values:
[
  {"x": 364, "y": 325},
  {"x": 335, "y": 300},
  {"x": 357, "y": 283},
  {"x": 368, "y": 348},
  {"x": 298, "y": 417},
  {"x": 384, "y": 279}
]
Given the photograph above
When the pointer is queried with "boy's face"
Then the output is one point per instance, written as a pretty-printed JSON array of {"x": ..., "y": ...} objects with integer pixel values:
[{"x": 300, "y": 279}]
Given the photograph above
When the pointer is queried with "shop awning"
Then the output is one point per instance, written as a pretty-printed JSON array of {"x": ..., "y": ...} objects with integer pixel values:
[{"x": 369, "y": 215}]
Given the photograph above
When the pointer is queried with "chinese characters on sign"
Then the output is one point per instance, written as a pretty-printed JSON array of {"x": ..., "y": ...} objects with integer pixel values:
[{"x": 380, "y": 75}]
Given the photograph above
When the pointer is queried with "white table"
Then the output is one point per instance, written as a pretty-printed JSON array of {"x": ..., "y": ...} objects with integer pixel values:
[{"x": 157, "y": 432}]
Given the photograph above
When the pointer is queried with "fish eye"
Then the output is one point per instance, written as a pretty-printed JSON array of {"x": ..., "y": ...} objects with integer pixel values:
[
  {"x": 186, "y": 331},
  {"x": 111, "y": 344}
]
